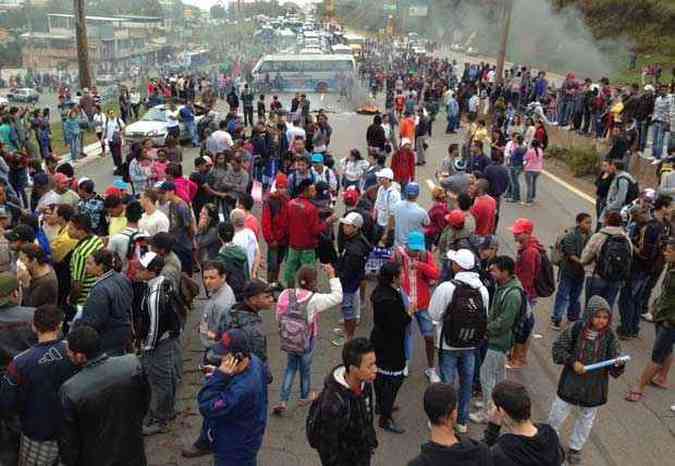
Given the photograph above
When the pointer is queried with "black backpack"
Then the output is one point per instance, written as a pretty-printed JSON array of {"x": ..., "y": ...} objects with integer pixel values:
[
  {"x": 313, "y": 423},
  {"x": 465, "y": 319},
  {"x": 614, "y": 259},
  {"x": 633, "y": 191},
  {"x": 544, "y": 281}
]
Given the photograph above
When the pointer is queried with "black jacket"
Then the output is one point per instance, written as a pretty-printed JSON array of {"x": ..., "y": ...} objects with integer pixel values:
[
  {"x": 347, "y": 434},
  {"x": 467, "y": 452},
  {"x": 375, "y": 136},
  {"x": 108, "y": 310},
  {"x": 351, "y": 264},
  {"x": 103, "y": 408},
  {"x": 517, "y": 450},
  {"x": 390, "y": 320}
]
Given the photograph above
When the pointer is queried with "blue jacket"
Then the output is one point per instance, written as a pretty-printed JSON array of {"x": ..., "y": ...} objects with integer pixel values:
[
  {"x": 235, "y": 412},
  {"x": 453, "y": 108}
]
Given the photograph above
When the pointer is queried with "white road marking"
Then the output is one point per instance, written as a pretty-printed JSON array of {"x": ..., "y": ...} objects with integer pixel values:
[{"x": 571, "y": 188}]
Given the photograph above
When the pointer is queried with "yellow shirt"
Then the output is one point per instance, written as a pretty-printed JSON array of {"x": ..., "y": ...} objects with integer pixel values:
[
  {"x": 616, "y": 110},
  {"x": 117, "y": 224},
  {"x": 62, "y": 245}
]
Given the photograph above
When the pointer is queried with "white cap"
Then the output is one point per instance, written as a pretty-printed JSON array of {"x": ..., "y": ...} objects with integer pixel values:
[
  {"x": 463, "y": 257},
  {"x": 405, "y": 141},
  {"x": 352, "y": 218},
  {"x": 649, "y": 87},
  {"x": 147, "y": 258},
  {"x": 208, "y": 159},
  {"x": 385, "y": 173}
]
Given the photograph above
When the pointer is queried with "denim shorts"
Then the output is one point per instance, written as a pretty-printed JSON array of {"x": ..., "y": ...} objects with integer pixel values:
[
  {"x": 425, "y": 323},
  {"x": 663, "y": 344},
  {"x": 351, "y": 305}
]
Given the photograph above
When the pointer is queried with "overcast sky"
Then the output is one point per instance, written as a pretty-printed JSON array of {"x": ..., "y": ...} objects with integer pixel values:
[{"x": 206, "y": 4}]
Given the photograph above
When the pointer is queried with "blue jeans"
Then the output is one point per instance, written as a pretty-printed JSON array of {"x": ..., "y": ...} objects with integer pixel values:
[
  {"x": 599, "y": 125},
  {"x": 426, "y": 326},
  {"x": 302, "y": 363},
  {"x": 643, "y": 127},
  {"x": 630, "y": 303},
  {"x": 567, "y": 298},
  {"x": 75, "y": 145},
  {"x": 566, "y": 110},
  {"x": 531, "y": 181},
  {"x": 659, "y": 138},
  {"x": 462, "y": 363},
  {"x": 596, "y": 285},
  {"x": 514, "y": 185},
  {"x": 453, "y": 123},
  {"x": 192, "y": 131}
]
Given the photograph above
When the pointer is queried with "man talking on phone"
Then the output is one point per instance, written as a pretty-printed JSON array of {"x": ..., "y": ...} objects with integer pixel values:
[{"x": 234, "y": 401}]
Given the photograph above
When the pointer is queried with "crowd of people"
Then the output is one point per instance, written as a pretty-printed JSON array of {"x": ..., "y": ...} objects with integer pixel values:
[{"x": 97, "y": 283}]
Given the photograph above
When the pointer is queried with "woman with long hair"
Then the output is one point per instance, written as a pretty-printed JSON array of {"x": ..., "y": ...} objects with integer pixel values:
[
  {"x": 354, "y": 168},
  {"x": 390, "y": 321},
  {"x": 305, "y": 302},
  {"x": 534, "y": 165},
  {"x": 208, "y": 243}
]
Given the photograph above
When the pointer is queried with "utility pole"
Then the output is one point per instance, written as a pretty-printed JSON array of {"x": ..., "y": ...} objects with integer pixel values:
[
  {"x": 501, "y": 58},
  {"x": 82, "y": 44}
]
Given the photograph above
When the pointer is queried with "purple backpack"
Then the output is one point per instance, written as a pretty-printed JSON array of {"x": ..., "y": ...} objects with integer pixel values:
[{"x": 294, "y": 327}]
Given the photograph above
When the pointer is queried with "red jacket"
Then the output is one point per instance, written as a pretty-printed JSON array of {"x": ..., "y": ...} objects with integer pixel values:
[
  {"x": 437, "y": 215},
  {"x": 484, "y": 211},
  {"x": 403, "y": 166},
  {"x": 528, "y": 265},
  {"x": 426, "y": 274},
  {"x": 304, "y": 225},
  {"x": 275, "y": 219}
]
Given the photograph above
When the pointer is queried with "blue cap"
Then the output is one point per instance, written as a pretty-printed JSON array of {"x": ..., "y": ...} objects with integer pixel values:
[
  {"x": 416, "y": 241},
  {"x": 121, "y": 184},
  {"x": 317, "y": 158},
  {"x": 232, "y": 341},
  {"x": 412, "y": 190}
]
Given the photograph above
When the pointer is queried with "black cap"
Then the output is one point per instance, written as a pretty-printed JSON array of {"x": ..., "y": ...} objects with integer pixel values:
[{"x": 255, "y": 288}]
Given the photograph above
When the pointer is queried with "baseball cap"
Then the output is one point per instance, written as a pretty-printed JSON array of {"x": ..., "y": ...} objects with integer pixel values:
[
  {"x": 167, "y": 186},
  {"x": 3, "y": 212},
  {"x": 8, "y": 283},
  {"x": 231, "y": 342},
  {"x": 121, "y": 184},
  {"x": 208, "y": 160},
  {"x": 317, "y": 158},
  {"x": 350, "y": 196},
  {"x": 412, "y": 189},
  {"x": 147, "y": 258},
  {"x": 522, "y": 225},
  {"x": 462, "y": 257},
  {"x": 352, "y": 218},
  {"x": 254, "y": 288},
  {"x": 21, "y": 232},
  {"x": 385, "y": 173},
  {"x": 416, "y": 241},
  {"x": 82, "y": 180},
  {"x": 456, "y": 219},
  {"x": 281, "y": 181}
]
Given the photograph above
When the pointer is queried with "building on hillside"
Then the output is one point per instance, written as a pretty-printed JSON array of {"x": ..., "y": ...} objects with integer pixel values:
[{"x": 116, "y": 43}]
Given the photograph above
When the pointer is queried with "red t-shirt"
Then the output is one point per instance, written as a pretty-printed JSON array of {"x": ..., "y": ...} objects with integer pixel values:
[{"x": 484, "y": 210}]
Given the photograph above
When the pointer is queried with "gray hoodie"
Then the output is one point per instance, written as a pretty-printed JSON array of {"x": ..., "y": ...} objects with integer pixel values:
[{"x": 618, "y": 190}]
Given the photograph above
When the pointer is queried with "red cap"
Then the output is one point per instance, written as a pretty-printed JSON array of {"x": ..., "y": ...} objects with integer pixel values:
[
  {"x": 112, "y": 191},
  {"x": 351, "y": 197},
  {"x": 522, "y": 225},
  {"x": 281, "y": 181},
  {"x": 456, "y": 219}
]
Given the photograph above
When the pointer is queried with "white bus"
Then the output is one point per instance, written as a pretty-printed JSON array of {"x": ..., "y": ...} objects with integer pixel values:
[{"x": 303, "y": 73}]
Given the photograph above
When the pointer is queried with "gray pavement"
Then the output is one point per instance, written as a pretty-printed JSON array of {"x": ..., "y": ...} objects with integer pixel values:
[{"x": 624, "y": 434}]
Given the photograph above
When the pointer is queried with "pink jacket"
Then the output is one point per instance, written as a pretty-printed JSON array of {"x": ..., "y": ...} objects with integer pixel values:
[{"x": 534, "y": 160}]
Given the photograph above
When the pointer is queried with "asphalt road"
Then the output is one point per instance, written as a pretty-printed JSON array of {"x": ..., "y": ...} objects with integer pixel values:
[{"x": 624, "y": 434}]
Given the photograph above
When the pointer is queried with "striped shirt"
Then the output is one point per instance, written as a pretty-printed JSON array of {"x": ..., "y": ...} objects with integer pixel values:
[{"x": 78, "y": 262}]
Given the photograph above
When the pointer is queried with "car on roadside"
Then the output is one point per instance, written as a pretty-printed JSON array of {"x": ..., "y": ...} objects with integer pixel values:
[
  {"x": 154, "y": 124},
  {"x": 24, "y": 95}
]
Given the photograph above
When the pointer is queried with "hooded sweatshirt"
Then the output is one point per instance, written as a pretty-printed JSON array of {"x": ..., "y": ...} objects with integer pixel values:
[
  {"x": 528, "y": 264},
  {"x": 518, "y": 450},
  {"x": 581, "y": 342},
  {"x": 467, "y": 452}
]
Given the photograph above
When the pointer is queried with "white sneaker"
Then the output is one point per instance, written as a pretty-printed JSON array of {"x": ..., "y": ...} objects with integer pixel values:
[
  {"x": 461, "y": 428},
  {"x": 405, "y": 371},
  {"x": 647, "y": 316},
  {"x": 432, "y": 375},
  {"x": 656, "y": 161},
  {"x": 478, "y": 418}
]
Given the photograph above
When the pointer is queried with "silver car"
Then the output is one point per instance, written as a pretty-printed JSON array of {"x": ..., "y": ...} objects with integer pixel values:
[{"x": 154, "y": 124}]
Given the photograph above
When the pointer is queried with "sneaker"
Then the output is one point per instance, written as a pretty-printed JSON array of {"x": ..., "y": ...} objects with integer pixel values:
[
  {"x": 391, "y": 426},
  {"x": 405, "y": 371},
  {"x": 478, "y": 404},
  {"x": 656, "y": 161},
  {"x": 432, "y": 375},
  {"x": 279, "y": 409},
  {"x": 573, "y": 456},
  {"x": 478, "y": 418},
  {"x": 647, "y": 316},
  {"x": 461, "y": 428},
  {"x": 338, "y": 340},
  {"x": 555, "y": 325}
]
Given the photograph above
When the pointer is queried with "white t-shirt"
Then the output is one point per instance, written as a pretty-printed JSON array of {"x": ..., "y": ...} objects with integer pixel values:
[
  {"x": 112, "y": 126},
  {"x": 154, "y": 223},
  {"x": 245, "y": 239},
  {"x": 386, "y": 200}
]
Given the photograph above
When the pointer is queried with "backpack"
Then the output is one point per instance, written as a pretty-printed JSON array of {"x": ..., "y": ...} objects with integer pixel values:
[
  {"x": 557, "y": 255},
  {"x": 614, "y": 259},
  {"x": 544, "y": 280},
  {"x": 313, "y": 423},
  {"x": 294, "y": 327},
  {"x": 465, "y": 319},
  {"x": 520, "y": 321},
  {"x": 633, "y": 191}
]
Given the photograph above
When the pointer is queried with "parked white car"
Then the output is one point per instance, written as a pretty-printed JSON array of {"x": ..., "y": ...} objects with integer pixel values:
[{"x": 154, "y": 124}]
